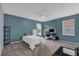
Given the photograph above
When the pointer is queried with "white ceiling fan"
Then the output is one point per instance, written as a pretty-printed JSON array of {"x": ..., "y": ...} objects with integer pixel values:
[{"x": 42, "y": 14}]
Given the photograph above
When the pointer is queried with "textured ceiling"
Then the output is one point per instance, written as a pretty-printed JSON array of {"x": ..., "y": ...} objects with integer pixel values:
[{"x": 34, "y": 11}]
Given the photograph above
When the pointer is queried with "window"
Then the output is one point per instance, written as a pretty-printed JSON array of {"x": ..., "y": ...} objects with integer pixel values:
[
  {"x": 38, "y": 27},
  {"x": 68, "y": 27}
]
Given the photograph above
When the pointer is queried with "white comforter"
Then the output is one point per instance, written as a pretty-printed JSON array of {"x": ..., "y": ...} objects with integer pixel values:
[{"x": 32, "y": 40}]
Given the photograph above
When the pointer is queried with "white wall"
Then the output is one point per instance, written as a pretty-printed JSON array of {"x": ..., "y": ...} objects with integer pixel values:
[{"x": 1, "y": 28}]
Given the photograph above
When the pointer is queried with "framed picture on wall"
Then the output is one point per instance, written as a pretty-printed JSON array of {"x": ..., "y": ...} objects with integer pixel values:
[{"x": 68, "y": 27}]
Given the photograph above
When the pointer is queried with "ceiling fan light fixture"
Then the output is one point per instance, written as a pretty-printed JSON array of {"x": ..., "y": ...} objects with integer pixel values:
[{"x": 43, "y": 17}]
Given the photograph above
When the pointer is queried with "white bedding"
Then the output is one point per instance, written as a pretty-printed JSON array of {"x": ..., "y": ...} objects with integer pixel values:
[{"x": 32, "y": 40}]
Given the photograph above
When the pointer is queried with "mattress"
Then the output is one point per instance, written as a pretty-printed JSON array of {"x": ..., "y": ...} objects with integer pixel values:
[{"x": 32, "y": 40}]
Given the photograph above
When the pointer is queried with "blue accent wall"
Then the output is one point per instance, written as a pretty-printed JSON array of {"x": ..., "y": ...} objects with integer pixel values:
[
  {"x": 19, "y": 26},
  {"x": 57, "y": 24}
]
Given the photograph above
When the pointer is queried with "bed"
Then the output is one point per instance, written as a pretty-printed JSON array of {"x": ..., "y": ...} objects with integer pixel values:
[{"x": 32, "y": 40}]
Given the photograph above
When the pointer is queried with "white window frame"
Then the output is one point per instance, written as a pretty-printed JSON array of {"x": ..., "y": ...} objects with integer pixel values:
[{"x": 68, "y": 33}]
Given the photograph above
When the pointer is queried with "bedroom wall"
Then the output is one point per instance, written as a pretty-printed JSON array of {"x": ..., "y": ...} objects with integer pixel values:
[
  {"x": 1, "y": 28},
  {"x": 57, "y": 24},
  {"x": 19, "y": 26}
]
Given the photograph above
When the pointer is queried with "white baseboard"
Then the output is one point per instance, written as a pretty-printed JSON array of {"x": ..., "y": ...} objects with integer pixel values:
[
  {"x": 15, "y": 42},
  {"x": 1, "y": 50}
]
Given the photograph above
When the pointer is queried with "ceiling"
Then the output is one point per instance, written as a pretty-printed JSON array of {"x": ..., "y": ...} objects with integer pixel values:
[{"x": 35, "y": 11}]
